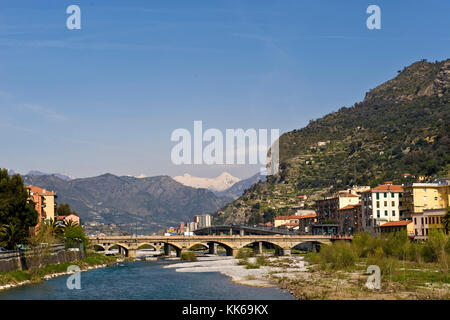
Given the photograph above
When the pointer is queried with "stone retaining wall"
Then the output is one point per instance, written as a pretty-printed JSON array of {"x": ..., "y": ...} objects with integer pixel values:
[{"x": 26, "y": 261}]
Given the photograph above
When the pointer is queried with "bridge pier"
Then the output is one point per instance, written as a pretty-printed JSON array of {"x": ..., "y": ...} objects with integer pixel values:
[
  {"x": 212, "y": 248},
  {"x": 131, "y": 253},
  {"x": 166, "y": 249},
  {"x": 258, "y": 247}
]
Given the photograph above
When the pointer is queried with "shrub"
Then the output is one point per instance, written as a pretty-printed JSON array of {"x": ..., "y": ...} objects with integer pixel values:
[
  {"x": 188, "y": 256},
  {"x": 245, "y": 253},
  {"x": 338, "y": 255}
]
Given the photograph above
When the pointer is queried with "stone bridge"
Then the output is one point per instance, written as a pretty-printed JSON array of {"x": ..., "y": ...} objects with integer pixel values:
[{"x": 128, "y": 245}]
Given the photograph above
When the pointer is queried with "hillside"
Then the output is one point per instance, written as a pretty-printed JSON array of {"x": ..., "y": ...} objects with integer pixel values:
[
  {"x": 400, "y": 127},
  {"x": 153, "y": 203}
]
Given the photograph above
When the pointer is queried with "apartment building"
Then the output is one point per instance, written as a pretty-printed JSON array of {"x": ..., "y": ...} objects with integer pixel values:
[
  {"x": 327, "y": 208},
  {"x": 204, "y": 221},
  {"x": 426, "y": 221},
  {"x": 381, "y": 204},
  {"x": 349, "y": 219},
  {"x": 426, "y": 196}
]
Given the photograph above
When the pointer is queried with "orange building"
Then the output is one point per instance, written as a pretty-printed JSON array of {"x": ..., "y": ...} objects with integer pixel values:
[{"x": 44, "y": 203}]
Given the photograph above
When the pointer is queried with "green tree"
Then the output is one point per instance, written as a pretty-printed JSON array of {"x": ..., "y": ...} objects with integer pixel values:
[
  {"x": 17, "y": 214},
  {"x": 63, "y": 209},
  {"x": 74, "y": 234},
  {"x": 53, "y": 228}
]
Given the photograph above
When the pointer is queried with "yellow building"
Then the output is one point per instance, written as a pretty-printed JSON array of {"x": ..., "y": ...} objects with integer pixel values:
[{"x": 425, "y": 196}]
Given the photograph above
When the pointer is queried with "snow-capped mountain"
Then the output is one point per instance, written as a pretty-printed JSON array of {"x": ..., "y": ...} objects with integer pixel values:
[{"x": 220, "y": 183}]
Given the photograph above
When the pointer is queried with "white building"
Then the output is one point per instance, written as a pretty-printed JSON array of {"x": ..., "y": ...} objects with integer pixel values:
[
  {"x": 204, "y": 221},
  {"x": 380, "y": 205}
]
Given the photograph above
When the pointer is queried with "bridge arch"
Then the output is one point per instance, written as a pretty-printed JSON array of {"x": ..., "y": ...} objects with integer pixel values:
[
  {"x": 309, "y": 245},
  {"x": 228, "y": 247},
  {"x": 123, "y": 248},
  {"x": 258, "y": 246},
  {"x": 197, "y": 244},
  {"x": 145, "y": 244},
  {"x": 98, "y": 247}
]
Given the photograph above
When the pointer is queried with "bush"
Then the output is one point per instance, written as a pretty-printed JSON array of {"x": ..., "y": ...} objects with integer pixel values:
[
  {"x": 245, "y": 253},
  {"x": 188, "y": 256},
  {"x": 338, "y": 255}
]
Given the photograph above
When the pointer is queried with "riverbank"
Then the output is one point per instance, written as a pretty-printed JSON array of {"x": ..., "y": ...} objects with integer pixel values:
[
  {"x": 263, "y": 276},
  {"x": 20, "y": 277},
  {"x": 308, "y": 281}
]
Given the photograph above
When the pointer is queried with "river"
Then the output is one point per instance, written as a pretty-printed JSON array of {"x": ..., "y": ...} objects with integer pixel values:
[{"x": 144, "y": 280}]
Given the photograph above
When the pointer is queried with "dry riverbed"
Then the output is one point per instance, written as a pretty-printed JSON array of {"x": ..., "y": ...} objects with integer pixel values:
[
  {"x": 306, "y": 281},
  {"x": 261, "y": 277}
]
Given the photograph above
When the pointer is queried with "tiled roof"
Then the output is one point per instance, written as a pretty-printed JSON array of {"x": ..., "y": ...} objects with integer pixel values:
[
  {"x": 350, "y": 206},
  {"x": 38, "y": 190},
  {"x": 313, "y": 215},
  {"x": 396, "y": 223},
  {"x": 388, "y": 188}
]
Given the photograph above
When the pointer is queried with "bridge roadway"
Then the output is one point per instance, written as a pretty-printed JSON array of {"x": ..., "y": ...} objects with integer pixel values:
[{"x": 232, "y": 243}]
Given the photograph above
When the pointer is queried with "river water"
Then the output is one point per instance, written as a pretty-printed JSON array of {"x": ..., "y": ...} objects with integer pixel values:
[{"x": 144, "y": 280}]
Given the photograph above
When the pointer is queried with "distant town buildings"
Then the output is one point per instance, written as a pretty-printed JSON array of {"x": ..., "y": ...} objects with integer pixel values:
[{"x": 204, "y": 221}]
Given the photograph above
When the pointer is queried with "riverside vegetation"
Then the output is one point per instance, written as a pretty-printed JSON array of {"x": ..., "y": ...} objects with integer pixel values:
[{"x": 409, "y": 270}]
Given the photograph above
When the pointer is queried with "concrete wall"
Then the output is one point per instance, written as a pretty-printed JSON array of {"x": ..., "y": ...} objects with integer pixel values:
[{"x": 29, "y": 261}]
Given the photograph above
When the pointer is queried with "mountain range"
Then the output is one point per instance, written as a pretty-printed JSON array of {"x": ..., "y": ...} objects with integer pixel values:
[
  {"x": 401, "y": 126},
  {"x": 152, "y": 203}
]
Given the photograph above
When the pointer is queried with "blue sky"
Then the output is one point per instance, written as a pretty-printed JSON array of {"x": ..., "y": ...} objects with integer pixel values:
[{"x": 106, "y": 98}]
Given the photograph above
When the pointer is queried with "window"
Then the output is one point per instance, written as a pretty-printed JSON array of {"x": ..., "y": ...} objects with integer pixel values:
[
  {"x": 393, "y": 203},
  {"x": 393, "y": 213},
  {"x": 421, "y": 222},
  {"x": 378, "y": 213},
  {"x": 385, "y": 194},
  {"x": 378, "y": 196},
  {"x": 385, "y": 213},
  {"x": 385, "y": 203},
  {"x": 378, "y": 204},
  {"x": 415, "y": 220}
]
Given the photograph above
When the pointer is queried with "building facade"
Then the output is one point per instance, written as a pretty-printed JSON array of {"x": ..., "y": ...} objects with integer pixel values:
[
  {"x": 349, "y": 219},
  {"x": 381, "y": 204},
  {"x": 327, "y": 208},
  {"x": 426, "y": 221},
  {"x": 397, "y": 226},
  {"x": 44, "y": 203},
  {"x": 426, "y": 196},
  {"x": 204, "y": 221}
]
